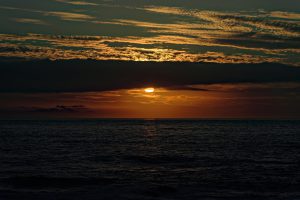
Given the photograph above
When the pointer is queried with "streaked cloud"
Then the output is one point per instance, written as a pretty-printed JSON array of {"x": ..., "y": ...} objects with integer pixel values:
[
  {"x": 70, "y": 16},
  {"x": 30, "y": 21},
  {"x": 101, "y": 48},
  {"x": 239, "y": 21},
  {"x": 285, "y": 15},
  {"x": 187, "y": 35},
  {"x": 79, "y": 3}
]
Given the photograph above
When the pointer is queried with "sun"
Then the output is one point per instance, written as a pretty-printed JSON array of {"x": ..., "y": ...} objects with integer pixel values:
[{"x": 149, "y": 90}]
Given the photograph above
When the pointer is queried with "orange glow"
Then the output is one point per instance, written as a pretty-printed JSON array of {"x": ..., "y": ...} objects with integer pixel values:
[
  {"x": 149, "y": 90},
  {"x": 217, "y": 101}
]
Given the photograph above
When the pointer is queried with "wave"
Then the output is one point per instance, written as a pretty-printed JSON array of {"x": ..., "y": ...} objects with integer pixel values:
[
  {"x": 159, "y": 159},
  {"x": 42, "y": 182}
]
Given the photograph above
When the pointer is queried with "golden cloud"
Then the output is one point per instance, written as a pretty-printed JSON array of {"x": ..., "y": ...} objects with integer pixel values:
[{"x": 70, "y": 16}]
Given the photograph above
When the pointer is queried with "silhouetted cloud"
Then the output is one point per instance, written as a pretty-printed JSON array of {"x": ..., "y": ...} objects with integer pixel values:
[
  {"x": 89, "y": 75},
  {"x": 59, "y": 109}
]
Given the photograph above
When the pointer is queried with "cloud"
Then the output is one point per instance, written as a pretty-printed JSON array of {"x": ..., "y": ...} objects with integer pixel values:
[
  {"x": 30, "y": 21},
  {"x": 101, "y": 48},
  {"x": 270, "y": 90},
  {"x": 59, "y": 109},
  {"x": 252, "y": 31},
  {"x": 89, "y": 75},
  {"x": 128, "y": 54},
  {"x": 79, "y": 3},
  {"x": 187, "y": 87},
  {"x": 40, "y": 111},
  {"x": 242, "y": 22},
  {"x": 70, "y": 16},
  {"x": 192, "y": 35},
  {"x": 285, "y": 15}
]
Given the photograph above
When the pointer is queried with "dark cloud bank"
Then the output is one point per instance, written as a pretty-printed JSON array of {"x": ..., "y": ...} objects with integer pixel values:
[{"x": 91, "y": 75}]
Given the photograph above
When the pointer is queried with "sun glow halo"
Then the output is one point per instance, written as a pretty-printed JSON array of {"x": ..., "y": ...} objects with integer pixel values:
[{"x": 149, "y": 90}]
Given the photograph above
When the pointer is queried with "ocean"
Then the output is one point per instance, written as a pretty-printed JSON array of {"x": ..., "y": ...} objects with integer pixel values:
[{"x": 149, "y": 159}]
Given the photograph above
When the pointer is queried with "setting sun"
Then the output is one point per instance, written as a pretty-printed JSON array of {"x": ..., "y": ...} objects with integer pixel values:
[{"x": 149, "y": 90}]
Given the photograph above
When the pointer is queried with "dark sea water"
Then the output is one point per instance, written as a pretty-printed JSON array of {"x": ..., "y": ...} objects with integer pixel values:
[{"x": 149, "y": 159}]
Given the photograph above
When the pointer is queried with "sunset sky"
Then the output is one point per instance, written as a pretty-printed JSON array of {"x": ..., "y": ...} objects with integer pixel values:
[{"x": 203, "y": 59}]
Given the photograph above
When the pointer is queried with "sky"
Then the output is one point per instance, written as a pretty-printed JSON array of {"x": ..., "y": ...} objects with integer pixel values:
[{"x": 95, "y": 58}]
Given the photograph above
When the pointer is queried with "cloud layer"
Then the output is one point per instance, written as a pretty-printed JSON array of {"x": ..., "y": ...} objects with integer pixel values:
[
  {"x": 163, "y": 34},
  {"x": 88, "y": 75}
]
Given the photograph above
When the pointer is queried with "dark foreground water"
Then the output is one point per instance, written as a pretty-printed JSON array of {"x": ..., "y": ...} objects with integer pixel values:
[{"x": 149, "y": 159}]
